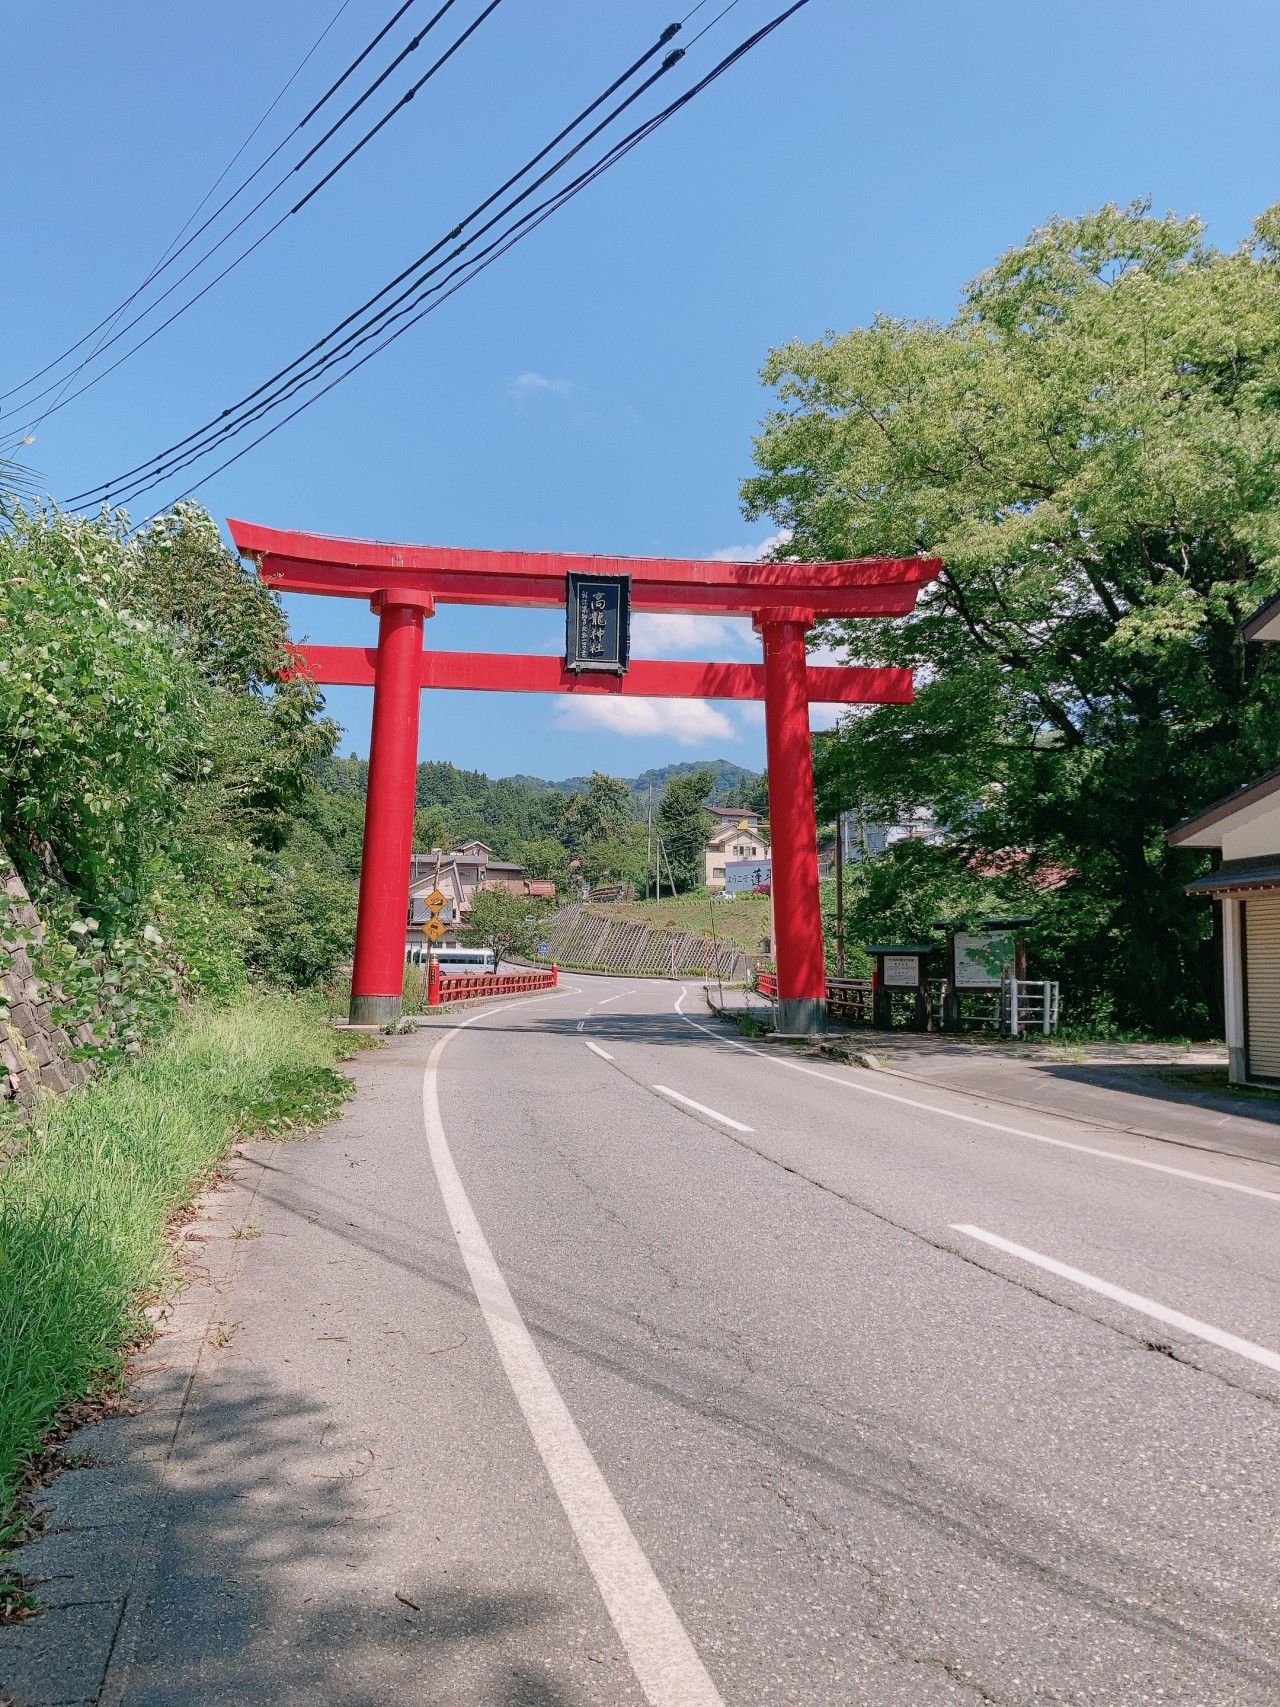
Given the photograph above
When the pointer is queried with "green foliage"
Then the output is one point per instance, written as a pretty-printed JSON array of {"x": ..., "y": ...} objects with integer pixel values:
[
  {"x": 902, "y": 894},
  {"x": 506, "y": 923},
  {"x": 155, "y": 766},
  {"x": 1092, "y": 446},
  {"x": 684, "y": 825},
  {"x": 545, "y": 857},
  {"x": 99, "y": 717},
  {"x": 601, "y": 813},
  {"x": 85, "y": 1198}
]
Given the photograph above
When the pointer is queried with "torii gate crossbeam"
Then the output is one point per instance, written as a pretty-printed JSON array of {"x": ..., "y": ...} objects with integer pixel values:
[{"x": 405, "y": 583}]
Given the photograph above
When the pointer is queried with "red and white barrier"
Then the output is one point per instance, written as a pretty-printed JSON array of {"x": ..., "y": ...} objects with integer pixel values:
[{"x": 467, "y": 987}]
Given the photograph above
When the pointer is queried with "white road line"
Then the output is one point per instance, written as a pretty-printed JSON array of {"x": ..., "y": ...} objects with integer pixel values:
[
  {"x": 1133, "y": 1300},
  {"x": 617, "y": 998},
  {"x": 665, "y": 1091},
  {"x": 581, "y": 1024},
  {"x": 596, "y": 1050},
  {"x": 978, "y": 1120},
  {"x": 664, "y": 1660}
]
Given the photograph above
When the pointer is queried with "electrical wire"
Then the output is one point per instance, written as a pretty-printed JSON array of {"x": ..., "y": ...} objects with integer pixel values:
[
  {"x": 150, "y": 466},
  {"x": 245, "y": 253},
  {"x": 524, "y": 227},
  {"x": 167, "y": 258}
]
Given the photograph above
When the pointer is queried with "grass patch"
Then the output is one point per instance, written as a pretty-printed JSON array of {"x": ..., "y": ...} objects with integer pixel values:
[{"x": 93, "y": 1181}]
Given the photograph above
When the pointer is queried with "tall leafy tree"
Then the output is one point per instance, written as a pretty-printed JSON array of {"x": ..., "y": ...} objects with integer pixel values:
[
  {"x": 601, "y": 813},
  {"x": 684, "y": 825},
  {"x": 1092, "y": 446}
]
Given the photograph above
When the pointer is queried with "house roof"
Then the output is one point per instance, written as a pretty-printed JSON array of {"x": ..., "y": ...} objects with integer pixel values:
[
  {"x": 1264, "y": 624},
  {"x": 735, "y": 812},
  {"x": 1239, "y": 876},
  {"x": 1206, "y": 829},
  {"x": 726, "y": 832}
]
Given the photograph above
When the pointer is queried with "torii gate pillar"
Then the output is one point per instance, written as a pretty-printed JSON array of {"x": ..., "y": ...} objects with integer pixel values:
[
  {"x": 793, "y": 824},
  {"x": 377, "y": 978}
]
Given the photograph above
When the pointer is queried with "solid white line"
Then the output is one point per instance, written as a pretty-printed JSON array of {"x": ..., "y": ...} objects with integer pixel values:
[
  {"x": 664, "y": 1660},
  {"x": 701, "y": 1107},
  {"x": 596, "y": 1050},
  {"x": 978, "y": 1120},
  {"x": 1134, "y": 1300}
]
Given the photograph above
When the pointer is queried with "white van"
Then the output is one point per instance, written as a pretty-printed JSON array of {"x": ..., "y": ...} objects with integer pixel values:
[{"x": 453, "y": 962}]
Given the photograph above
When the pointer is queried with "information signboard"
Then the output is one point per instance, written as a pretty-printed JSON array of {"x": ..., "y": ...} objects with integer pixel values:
[
  {"x": 982, "y": 958},
  {"x": 901, "y": 971},
  {"x": 598, "y": 623},
  {"x": 741, "y": 876}
]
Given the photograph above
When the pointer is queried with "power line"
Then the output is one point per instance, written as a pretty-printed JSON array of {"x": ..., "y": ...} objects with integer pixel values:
[
  {"x": 523, "y": 228},
  {"x": 167, "y": 258},
  {"x": 152, "y": 465},
  {"x": 242, "y": 221}
]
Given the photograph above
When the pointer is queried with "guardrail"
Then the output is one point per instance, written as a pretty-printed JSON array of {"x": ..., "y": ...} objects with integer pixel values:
[
  {"x": 847, "y": 998},
  {"x": 850, "y": 998},
  {"x": 1029, "y": 1004},
  {"x": 465, "y": 987}
]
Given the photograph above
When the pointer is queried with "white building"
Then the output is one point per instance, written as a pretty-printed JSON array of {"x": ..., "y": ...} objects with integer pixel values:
[
  {"x": 739, "y": 834},
  {"x": 1245, "y": 829}
]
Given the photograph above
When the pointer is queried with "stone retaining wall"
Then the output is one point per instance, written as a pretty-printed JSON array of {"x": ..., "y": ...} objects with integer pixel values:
[{"x": 34, "y": 1050}]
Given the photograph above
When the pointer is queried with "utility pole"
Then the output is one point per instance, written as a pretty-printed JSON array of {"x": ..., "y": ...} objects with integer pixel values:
[
  {"x": 839, "y": 894},
  {"x": 648, "y": 843}
]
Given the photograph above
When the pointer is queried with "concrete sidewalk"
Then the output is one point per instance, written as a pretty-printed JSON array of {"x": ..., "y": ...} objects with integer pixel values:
[{"x": 1129, "y": 1087}]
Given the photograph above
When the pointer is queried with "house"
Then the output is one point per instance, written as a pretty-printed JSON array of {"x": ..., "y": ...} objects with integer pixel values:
[
  {"x": 739, "y": 834},
  {"x": 1244, "y": 829},
  {"x": 458, "y": 875}
]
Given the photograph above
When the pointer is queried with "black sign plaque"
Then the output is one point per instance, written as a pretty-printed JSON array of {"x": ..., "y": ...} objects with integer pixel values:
[{"x": 598, "y": 623}]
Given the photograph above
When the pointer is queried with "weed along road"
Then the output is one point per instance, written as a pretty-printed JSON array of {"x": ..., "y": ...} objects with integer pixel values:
[{"x": 599, "y": 1355}]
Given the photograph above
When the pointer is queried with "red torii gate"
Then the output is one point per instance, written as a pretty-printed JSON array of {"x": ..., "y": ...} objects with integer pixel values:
[{"x": 404, "y": 584}]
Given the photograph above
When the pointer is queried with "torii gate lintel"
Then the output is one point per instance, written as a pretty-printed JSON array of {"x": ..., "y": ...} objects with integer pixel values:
[{"x": 404, "y": 585}]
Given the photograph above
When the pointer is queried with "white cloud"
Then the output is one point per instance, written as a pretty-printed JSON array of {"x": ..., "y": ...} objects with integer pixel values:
[
  {"x": 530, "y": 384},
  {"x": 689, "y": 721},
  {"x": 658, "y": 634},
  {"x": 752, "y": 553}
]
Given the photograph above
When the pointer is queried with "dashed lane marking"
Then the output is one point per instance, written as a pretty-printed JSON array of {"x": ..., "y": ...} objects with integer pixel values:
[
  {"x": 711, "y": 1113},
  {"x": 1132, "y": 1300},
  {"x": 596, "y": 1050}
]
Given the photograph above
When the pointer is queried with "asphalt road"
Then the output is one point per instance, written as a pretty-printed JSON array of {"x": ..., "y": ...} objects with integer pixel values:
[{"x": 599, "y": 1357}]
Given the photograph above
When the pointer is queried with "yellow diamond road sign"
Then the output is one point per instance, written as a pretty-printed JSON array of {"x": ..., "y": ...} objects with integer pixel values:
[
  {"x": 436, "y": 900},
  {"x": 435, "y": 929}
]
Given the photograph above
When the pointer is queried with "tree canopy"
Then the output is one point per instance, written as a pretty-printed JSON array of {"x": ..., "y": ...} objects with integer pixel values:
[{"x": 1092, "y": 447}]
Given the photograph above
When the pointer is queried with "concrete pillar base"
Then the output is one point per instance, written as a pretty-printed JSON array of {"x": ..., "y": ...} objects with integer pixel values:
[
  {"x": 375, "y": 1010},
  {"x": 1236, "y": 1071},
  {"x": 800, "y": 1016}
]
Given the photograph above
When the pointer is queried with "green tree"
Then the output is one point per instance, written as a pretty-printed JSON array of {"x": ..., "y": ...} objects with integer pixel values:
[
  {"x": 545, "y": 857},
  {"x": 684, "y": 824},
  {"x": 506, "y": 923},
  {"x": 431, "y": 830},
  {"x": 602, "y": 813},
  {"x": 1092, "y": 447}
]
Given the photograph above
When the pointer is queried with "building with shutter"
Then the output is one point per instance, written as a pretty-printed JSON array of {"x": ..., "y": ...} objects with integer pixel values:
[{"x": 1244, "y": 828}]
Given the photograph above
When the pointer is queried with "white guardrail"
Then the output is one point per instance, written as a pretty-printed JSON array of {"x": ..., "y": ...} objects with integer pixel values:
[{"x": 1029, "y": 1004}]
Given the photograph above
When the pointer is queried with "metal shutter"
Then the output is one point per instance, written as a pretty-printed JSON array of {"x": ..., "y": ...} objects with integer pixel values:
[{"x": 1262, "y": 964}]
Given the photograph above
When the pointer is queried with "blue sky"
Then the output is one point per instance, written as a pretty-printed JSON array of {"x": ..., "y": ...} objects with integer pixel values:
[{"x": 597, "y": 389}]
